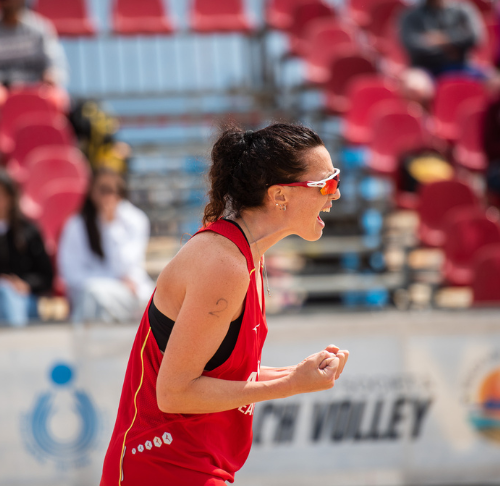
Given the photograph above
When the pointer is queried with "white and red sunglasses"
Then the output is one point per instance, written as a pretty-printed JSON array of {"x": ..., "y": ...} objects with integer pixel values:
[{"x": 328, "y": 185}]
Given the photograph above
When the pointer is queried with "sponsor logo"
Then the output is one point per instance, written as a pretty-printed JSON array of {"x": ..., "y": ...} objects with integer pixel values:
[
  {"x": 166, "y": 438},
  {"x": 484, "y": 409},
  {"x": 63, "y": 424},
  {"x": 366, "y": 410}
]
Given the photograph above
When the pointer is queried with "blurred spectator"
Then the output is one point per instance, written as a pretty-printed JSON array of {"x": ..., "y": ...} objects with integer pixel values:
[
  {"x": 29, "y": 48},
  {"x": 422, "y": 166},
  {"x": 101, "y": 254},
  {"x": 25, "y": 267},
  {"x": 438, "y": 35},
  {"x": 96, "y": 130}
]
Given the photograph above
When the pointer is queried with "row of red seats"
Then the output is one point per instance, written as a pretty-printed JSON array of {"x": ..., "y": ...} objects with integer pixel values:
[
  {"x": 333, "y": 49},
  {"x": 280, "y": 14},
  {"x": 151, "y": 17},
  {"x": 375, "y": 112},
  {"x": 316, "y": 30},
  {"x": 452, "y": 218},
  {"x": 130, "y": 17},
  {"x": 38, "y": 148},
  {"x": 379, "y": 117}
]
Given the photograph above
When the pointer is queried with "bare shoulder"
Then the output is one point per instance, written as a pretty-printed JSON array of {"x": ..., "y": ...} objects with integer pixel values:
[
  {"x": 214, "y": 252},
  {"x": 209, "y": 258}
]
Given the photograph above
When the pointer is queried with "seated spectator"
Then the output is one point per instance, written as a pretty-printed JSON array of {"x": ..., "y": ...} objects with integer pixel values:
[
  {"x": 439, "y": 34},
  {"x": 29, "y": 48},
  {"x": 25, "y": 268},
  {"x": 101, "y": 254}
]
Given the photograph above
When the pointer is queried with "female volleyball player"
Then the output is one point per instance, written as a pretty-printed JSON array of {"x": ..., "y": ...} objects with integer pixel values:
[{"x": 194, "y": 374}]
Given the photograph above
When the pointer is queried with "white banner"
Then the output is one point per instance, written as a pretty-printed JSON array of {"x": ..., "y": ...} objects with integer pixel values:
[{"x": 418, "y": 403}]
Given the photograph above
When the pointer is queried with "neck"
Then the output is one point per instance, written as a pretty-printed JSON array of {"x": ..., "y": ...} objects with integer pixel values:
[{"x": 262, "y": 229}]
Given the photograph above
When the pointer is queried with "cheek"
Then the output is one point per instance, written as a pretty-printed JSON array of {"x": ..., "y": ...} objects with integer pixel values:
[{"x": 312, "y": 207}]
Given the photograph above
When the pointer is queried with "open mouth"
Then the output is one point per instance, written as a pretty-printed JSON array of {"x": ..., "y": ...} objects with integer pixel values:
[{"x": 325, "y": 210}]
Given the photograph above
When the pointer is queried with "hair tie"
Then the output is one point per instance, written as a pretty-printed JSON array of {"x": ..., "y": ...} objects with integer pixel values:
[{"x": 247, "y": 136}]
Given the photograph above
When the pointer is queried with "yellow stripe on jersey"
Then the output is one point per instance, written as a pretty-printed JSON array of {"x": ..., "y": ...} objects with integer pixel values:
[{"x": 135, "y": 406}]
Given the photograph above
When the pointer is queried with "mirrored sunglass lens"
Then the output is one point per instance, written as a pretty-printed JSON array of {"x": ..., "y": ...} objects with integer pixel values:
[{"x": 330, "y": 187}]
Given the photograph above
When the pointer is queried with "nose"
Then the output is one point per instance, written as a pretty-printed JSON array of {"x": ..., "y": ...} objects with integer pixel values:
[{"x": 336, "y": 195}]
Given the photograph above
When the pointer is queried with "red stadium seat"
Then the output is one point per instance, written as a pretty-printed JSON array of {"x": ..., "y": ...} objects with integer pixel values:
[
  {"x": 146, "y": 17},
  {"x": 345, "y": 67},
  {"x": 279, "y": 13},
  {"x": 486, "y": 276},
  {"x": 4, "y": 94},
  {"x": 397, "y": 127},
  {"x": 359, "y": 11},
  {"x": 33, "y": 131},
  {"x": 487, "y": 51},
  {"x": 303, "y": 15},
  {"x": 207, "y": 16},
  {"x": 469, "y": 149},
  {"x": 46, "y": 165},
  {"x": 18, "y": 104},
  {"x": 62, "y": 199},
  {"x": 364, "y": 93},
  {"x": 323, "y": 36},
  {"x": 451, "y": 93},
  {"x": 435, "y": 200},
  {"x": 55, "y": 95},
  {"x": 68, "y": 16},
  {"x": 383, "y": 18},
  {"x": 466, "y": 231},
  {"x": 396, "y": 58}
]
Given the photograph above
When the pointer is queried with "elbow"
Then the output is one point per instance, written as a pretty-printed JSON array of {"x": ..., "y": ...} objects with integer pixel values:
[
  {"x": 170, "y": 401},
  {"x": 167, "y": 405}
]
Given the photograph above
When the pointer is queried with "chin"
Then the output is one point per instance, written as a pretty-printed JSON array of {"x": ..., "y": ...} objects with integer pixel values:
[{"x": 312, "y": 235}]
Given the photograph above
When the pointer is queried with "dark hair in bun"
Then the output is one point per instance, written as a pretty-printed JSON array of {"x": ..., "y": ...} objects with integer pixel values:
[{"x": 246, "y": 163}]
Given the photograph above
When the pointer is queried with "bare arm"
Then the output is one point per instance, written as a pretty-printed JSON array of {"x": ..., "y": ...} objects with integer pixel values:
[
  {"x": 268, "y": 373},
  {"x": 215, "y": 283},
  {"x": 271, "y": 373}
]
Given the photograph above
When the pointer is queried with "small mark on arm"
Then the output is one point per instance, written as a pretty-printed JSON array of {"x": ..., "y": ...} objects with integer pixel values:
[{"x": 221, "y": 306}]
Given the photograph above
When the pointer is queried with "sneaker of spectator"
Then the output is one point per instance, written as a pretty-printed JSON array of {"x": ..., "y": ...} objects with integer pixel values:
[
  {"x": 30, "y": 51},
  {"x": 101, "y": 254}
]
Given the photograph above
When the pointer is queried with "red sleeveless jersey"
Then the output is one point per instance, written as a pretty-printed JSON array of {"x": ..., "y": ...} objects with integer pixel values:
[{"x": 148, "y": 446}]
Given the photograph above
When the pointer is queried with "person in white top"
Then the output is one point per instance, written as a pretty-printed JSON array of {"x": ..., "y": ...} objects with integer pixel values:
[{"x": 101, "y": 254}]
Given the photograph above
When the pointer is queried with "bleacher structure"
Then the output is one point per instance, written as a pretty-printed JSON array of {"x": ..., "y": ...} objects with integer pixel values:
[{"x": 171, "y": 71}]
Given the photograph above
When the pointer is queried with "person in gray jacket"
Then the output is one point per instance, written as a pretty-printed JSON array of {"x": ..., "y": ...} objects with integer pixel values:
[
  {"x": 438, "y": 35},
  {"x": 30, "y": 51}
]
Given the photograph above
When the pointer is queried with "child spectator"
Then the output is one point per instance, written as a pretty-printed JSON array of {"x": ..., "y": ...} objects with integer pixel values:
[
  {"x": 101, "y": 254},
  {"x": 29, "y": 48},
  {"x": 25, "y": 268}
]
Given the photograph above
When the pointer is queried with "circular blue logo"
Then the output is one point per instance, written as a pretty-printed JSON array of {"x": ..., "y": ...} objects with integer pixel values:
[
  {"x": 61, "y": 374},
  {"x": 63, "y": 423}
]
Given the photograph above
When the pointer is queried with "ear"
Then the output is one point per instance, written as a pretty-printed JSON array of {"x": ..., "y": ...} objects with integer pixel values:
[{"x": 277, "y": 195}]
